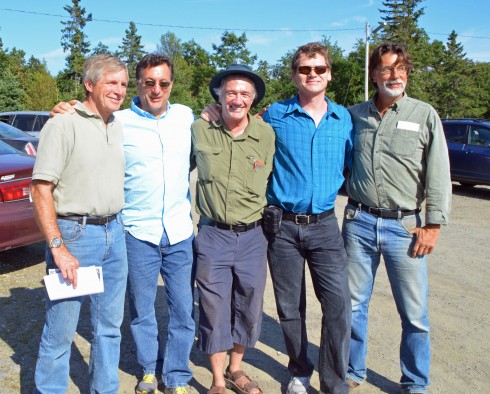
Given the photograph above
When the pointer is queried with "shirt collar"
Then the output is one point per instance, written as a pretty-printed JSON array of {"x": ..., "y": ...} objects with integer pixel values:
[
  {"x": 394, "y": 107},
  {"x": 250, "y": 130},
  {"x": 136, "y": 107},
  {"x": 295, "y": 106},
  {"x": 85, "y": 112}
]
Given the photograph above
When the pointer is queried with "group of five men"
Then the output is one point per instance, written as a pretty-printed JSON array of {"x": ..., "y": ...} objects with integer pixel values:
[{"x": 293, "y": 160}]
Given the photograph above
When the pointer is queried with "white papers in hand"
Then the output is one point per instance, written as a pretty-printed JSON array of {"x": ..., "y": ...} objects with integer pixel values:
[{"x": 90, "y": 281}]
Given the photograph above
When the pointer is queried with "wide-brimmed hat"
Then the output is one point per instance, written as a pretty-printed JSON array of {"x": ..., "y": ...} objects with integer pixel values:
[{"x": 239, "y": 69}]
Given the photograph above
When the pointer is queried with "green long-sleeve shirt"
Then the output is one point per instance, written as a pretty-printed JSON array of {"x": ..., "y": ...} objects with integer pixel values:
[
  {"x": 232, "y": 172},
  {"x": 400, "y": 159}
]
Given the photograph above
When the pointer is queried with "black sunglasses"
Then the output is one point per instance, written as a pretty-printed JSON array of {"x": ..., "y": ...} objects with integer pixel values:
[
  {"x": 151, "y": 84},
  {"x": 306, "y": 70}
]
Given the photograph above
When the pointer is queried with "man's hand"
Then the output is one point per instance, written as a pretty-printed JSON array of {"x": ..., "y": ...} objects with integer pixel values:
[
  {"x": 426, "y": 239},
  {"x": 211, "y": 113},
  {"x": 67, "y": 263},
  {"x": 259, "y": 115},
  {"x": 63, "y": 107}
]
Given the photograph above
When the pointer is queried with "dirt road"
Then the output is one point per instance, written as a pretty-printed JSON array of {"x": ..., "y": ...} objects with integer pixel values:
[{"x": 459, "y": 296}]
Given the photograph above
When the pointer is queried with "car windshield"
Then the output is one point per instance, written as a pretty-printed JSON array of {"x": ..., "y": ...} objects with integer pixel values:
[
  {"x": 7, "y": 131},
  {"x": 6, "y": 149}
]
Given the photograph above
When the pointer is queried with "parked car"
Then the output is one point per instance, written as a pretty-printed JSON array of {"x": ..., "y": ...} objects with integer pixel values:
[
  {"x": 468, "y": 142},
  {"x": 29, "y": 121},
  {"x": 17, "y": 223},
  {"x": 18, "y": 139}
]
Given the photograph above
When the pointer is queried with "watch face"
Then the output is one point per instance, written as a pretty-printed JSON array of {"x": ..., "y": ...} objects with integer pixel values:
[{"x": 56, "y": 242}]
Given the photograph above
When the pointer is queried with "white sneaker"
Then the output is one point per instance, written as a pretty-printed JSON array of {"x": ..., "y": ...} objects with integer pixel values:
[{"x": 298, "y": 385}]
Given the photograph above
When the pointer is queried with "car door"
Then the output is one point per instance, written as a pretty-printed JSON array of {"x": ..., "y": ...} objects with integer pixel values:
[
  {"x": 477, "y": 151},
  {"x": 457, "y": 138}
]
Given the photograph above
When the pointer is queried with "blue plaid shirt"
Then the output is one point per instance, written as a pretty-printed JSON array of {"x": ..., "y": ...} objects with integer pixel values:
[{"x": 309, "y": 160}]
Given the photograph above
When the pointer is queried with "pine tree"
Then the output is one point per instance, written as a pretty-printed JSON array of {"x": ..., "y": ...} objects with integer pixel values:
[
  {"x": 233, "y": 49},
  {"x": 74, "y": 41},
  {"x": 101, "y": 49},
  {"x": 402, "y": 18},
  {"x": 131, "y": 50}
]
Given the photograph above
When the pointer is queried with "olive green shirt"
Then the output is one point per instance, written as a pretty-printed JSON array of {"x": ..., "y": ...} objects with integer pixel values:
[
  {"x": 232, "y": 172},
  {"x": 84, "y": 159},
  {"x": 400, "y": 159}
]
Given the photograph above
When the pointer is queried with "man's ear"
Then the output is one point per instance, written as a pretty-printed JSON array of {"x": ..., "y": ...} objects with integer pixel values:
[{"x": 88, "y": 86}]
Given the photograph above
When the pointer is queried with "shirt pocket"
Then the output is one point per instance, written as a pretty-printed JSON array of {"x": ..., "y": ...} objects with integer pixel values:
[
  {"x": 404, "y": 142},
  {"x": 207, "y": 160},
  {"x": 256, "y": 176},
  {"x": 361, "y": 139}
]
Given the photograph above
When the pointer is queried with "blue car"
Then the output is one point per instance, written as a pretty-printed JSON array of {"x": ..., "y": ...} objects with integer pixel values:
[{"x": 468, "y": 142}]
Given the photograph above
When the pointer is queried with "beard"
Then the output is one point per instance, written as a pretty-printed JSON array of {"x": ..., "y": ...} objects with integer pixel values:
[{"x": 392, "y": 92}]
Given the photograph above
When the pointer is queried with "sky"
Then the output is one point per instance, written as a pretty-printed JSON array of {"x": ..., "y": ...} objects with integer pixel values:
[{"x": 273, "y": 27}]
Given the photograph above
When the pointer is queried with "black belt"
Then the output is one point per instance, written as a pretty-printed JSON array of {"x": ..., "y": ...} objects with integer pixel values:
[
  {"x": 237, "y": 228},
  {"x": 89, "y": 219},
  {"x": 384, "y": 213},
  {"x": 305, "y": 218}
]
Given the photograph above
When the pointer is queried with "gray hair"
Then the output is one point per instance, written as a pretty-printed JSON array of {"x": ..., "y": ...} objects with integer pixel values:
[
  {"x": 96, "y": 66},
  {"x": 219, "y": 90}
]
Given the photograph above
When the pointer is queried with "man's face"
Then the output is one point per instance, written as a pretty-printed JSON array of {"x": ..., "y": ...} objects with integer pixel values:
[
  {"x": 154, "y": 87},
  {"x": 311, "y": 83},
  {"x": 109, "y": 92},
  {"x": 390, "y": 76},
  {"x": 236, "y": 98}
]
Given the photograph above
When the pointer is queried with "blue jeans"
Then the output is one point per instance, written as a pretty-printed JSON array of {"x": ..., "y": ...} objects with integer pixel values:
[
  {"x": 321, "y": 245},
  {"x": 175, "y": 263},
  {"x": 101, "y": 245},
  {"x": 367, "y": 238}
]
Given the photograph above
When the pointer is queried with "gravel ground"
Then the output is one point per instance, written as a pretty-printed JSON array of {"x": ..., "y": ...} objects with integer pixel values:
[{"x": 459, "y": 291}]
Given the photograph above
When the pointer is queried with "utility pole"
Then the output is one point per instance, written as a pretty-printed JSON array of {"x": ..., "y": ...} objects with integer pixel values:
[{"x": 366, "y": 60}]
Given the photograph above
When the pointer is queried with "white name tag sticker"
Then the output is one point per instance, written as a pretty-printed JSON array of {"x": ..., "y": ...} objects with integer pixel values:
[{"x": 407, "y": 125}]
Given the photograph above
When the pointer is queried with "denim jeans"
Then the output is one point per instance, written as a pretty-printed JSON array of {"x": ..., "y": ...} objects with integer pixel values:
[
  {"x": 100, "y": 245},
  {"x": 321, "y": 245},
  {"x": 367, "y": 238},
  {"x": 175, "y": 263}
]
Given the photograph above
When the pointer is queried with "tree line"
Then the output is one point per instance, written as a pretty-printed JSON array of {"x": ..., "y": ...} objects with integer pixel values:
[{"x": 442, "y": 75}]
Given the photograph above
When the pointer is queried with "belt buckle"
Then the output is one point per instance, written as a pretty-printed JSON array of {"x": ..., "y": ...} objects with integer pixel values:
[{"x": 302, "y": 216}]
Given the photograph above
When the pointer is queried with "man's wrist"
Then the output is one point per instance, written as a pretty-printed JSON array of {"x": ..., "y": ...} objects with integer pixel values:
[{"x": 56, "y": 242}]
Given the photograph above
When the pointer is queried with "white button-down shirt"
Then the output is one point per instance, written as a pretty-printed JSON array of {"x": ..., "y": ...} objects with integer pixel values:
[{"x": 156, "y": 183}]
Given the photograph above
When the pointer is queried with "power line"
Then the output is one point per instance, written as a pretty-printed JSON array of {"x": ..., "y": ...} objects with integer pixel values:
[{"x": 180, "y": 26}]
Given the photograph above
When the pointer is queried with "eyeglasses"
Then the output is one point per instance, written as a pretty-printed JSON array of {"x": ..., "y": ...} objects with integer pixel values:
[
  {"x": 400, "y": 69},
  {"x": 164, "y": 85},
  {"x": 306, "y": 70}
]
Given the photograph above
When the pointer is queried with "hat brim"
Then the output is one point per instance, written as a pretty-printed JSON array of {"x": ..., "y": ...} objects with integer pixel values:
[{"x": 256, "y": 79}]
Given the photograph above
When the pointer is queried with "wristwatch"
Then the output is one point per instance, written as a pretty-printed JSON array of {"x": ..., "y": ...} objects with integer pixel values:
[{"x": 56, "y": 242}]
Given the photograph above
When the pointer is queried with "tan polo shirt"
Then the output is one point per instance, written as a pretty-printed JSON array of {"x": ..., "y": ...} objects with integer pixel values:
[{"x": 84, "y": 159}]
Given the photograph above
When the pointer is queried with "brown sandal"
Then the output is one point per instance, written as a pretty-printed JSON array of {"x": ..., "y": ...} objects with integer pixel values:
[
  {"x": 217, "y": 390},
  {"x": 231, "y": 380}
]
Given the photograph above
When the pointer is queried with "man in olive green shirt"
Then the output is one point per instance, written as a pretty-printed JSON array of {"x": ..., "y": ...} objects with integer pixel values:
[
  {"x": 234, "y": 160},
  {"x": 400, "y": 159}
]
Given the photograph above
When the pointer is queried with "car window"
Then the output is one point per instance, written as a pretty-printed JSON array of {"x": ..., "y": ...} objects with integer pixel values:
[
  {"x": 24, "y": 122},
  {"x": 479, "y": 136},
  {"x": 7, "y": 131},
  {"x": 40, "y": 121},
  {"x": 6, "y": 149},
  {"x": 455, "y": 132},
  {"x": 5, "y": 118}
]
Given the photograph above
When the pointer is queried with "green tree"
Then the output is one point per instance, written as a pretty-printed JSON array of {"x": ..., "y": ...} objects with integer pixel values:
[
  {"x": 131, "y": 50},
  {"x": 74, "y": 41},
  {"x": 12, "y": 96},
  {"x": 232, "y": 50},
  {"x": 100, "y": 49},
  {"x": 170, "y": 45}
]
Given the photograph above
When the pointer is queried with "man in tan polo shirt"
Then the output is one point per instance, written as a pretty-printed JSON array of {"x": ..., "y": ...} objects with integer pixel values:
[{"x": 78, "y": 191}]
